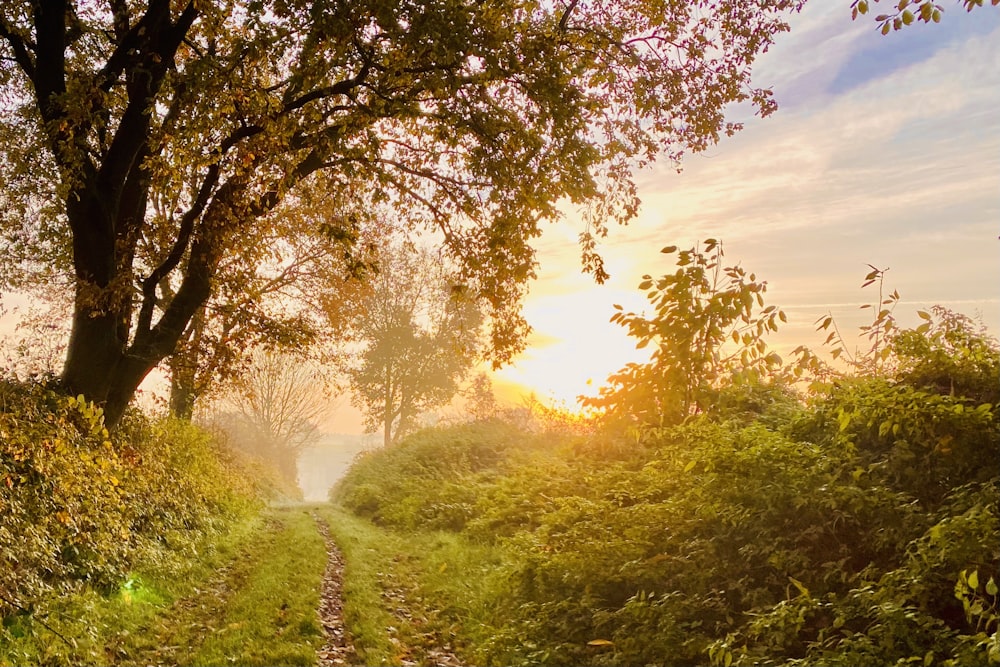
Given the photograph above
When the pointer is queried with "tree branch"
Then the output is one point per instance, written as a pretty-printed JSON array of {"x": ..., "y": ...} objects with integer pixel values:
[
  {"x": 20, "y": 46},
  {"x": 177, "y": 251}
]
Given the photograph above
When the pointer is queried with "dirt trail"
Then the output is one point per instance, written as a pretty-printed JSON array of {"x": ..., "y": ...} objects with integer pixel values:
[{"x": 338, "y": 649}]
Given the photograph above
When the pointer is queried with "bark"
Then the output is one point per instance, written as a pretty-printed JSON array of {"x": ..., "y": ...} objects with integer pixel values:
[
  {"x": 184, "y": 366},
  {"x": 183, "y": 392}
]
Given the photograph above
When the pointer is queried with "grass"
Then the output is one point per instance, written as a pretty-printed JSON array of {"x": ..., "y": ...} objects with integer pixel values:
[
  {"x": 100, "y": 627},
  {"x": 248, "y": 596},
  {"x": 271, "y": 617},
  {"x": 408, "y": 593}
]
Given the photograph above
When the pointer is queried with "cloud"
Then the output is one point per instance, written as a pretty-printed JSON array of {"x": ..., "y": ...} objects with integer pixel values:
[{"x": 879, "y": 58}]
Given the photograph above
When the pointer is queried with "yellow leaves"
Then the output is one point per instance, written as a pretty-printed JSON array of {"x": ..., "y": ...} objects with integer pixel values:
[
  {"x": 800, "y": 586},
  {"x": 906, "y": 12},
  {"x": 601, "y": 643}
]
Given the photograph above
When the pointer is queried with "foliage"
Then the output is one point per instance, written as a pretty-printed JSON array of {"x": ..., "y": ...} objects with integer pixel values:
[
  {"x": 291, "y": 290},
  {"x": 905, "y": 12},
  {"x": 150, "y": 141},
  {"x": 856, "y": 527},
  {"x": 414, "y": 483},
  {"x": 698, "y": 310},
  {"x": 949, "y": 354},
  {"x": 78, "y": 506},
  {"x": 421, "y": 334},
  {"x": 879, "y": 332}
]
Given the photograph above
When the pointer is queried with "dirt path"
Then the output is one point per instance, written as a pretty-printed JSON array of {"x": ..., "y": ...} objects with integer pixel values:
[
  {"x": 424, "y": 649},
  {"x": 337, "y": 650}
]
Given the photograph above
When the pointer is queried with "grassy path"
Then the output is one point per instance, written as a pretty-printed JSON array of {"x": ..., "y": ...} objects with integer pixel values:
[
  {"x": 259, "y": 609},
  {"x": 247, "y": 597},
  {"x": 415, "y": 598},
  {"x": 277, "y": 590}
]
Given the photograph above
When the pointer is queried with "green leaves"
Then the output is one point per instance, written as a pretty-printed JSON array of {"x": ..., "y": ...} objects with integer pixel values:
[
  {"x": 77, "y": 505},
  {"x": 474, "y": 120},
  {"x": 708, "y": 324}
]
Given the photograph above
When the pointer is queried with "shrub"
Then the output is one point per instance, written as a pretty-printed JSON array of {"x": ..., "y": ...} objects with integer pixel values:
[
  {"x": 77, "y": 504},
  {"x": 426, "y": 480}
]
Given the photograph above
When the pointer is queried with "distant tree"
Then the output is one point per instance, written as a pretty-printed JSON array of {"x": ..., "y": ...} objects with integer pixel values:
[
  {"x": 273, "y": 411},
  {"x": 420, "y": 333},
  {"x": 473, "y": 119},
  {"x": 481, "y": 402}
]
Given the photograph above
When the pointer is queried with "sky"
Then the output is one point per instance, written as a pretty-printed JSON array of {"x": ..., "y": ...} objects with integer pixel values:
[{"x": 885, "y": 150}]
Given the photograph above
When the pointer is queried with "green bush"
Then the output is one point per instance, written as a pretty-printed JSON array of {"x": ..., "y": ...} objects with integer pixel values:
[
  {"x": 77, "y": 505},
  {"x": 426, "y": 481},
  {"x": 858, "y": 526}
]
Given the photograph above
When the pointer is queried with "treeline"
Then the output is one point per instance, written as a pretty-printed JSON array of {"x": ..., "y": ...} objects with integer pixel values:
[{"x": 853, "y": 522}]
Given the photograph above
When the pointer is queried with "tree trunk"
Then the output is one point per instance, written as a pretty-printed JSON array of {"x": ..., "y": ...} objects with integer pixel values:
[
  {"x": 101, "y": 313},
  {"x": 184, "y": 365},
  {"x": 103, "y": 366},
  {"x": 182, "y": 394}
]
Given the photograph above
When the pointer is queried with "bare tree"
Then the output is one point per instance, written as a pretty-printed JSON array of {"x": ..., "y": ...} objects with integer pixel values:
[{"x": 273, "y": 410}]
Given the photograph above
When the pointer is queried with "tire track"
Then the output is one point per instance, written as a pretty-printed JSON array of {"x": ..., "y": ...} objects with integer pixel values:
[{"x": 337, "y": 649}]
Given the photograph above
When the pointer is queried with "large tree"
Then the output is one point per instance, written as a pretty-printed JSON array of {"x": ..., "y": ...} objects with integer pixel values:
[
  {"x": 294, "y": 290},
  {"x": 475, "y": 118}
]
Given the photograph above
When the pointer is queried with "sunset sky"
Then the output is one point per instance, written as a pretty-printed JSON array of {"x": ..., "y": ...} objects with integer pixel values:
[{"x": 885, "y": 150}]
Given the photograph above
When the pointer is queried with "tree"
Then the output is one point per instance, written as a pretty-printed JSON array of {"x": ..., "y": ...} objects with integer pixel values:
[
  {"x": 474, "y": 119},
  {"x": 480, "y": 401},
  {"x": 421, "y": 334},
  {"x": 273, "y": 411},
  {"x": 298, "y": 293}
]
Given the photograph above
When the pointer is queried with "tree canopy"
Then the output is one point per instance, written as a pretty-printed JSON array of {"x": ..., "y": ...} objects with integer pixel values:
[{"x": 150, "y": 141}]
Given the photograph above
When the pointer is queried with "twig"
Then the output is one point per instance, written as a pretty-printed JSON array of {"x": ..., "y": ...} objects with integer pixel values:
[{"x": 45, "y": 625}]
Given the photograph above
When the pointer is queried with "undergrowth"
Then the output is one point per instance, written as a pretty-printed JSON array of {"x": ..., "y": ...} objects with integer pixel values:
[
  {"x": 857, "y": 525},
  {"x": 95, "y": 526}
]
